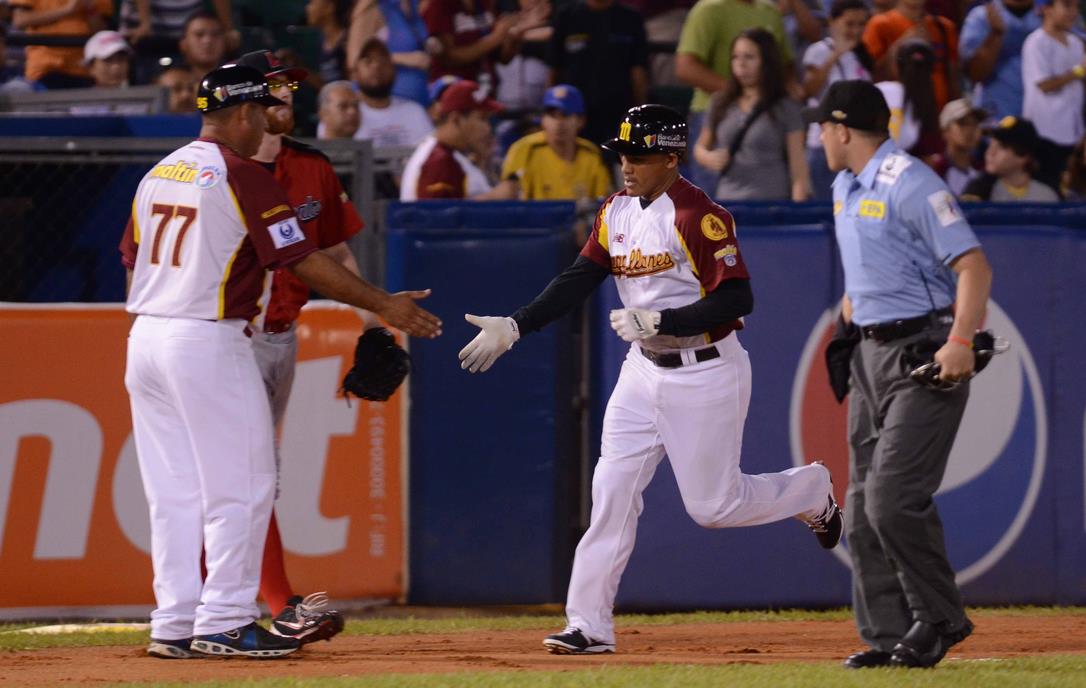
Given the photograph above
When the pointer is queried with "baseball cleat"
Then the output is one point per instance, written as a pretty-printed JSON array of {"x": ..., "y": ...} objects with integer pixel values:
[
  {"x": 306, "y": 619},
  {"x": 572, "y": 642},
  {"x": 830, "y": 525},
  {"x": 252, "y": 641},
  {"x": 171, "y": 649}
]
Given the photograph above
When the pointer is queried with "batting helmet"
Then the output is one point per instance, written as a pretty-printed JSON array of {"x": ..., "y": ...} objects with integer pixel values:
[
  {"x": 650, "y": 129},
  {"x": 233, "y": 84}
]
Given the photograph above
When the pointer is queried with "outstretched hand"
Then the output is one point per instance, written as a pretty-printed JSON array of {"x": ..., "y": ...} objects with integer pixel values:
[
  {"x": 404, "y": 314},
  {"x": 496, "y": 336}
]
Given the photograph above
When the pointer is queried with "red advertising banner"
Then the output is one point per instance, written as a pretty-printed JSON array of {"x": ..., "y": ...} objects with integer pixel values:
[{"x": 74, "y": 529}]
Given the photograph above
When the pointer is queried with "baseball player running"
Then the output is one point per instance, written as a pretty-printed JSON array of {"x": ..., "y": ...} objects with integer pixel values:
[
  {"x": 328, "y": 219},
  {"x": 206, "y": 224},
  {"x": 685, "y": 384}
]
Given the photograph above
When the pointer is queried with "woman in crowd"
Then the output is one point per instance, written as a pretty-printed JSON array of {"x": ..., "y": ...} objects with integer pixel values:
[
  {"x": 754, "y": 135},
  {"x": 839, "y": 56},
  {"x": 332, "y": 18},
  {"x": 914, "y": 116}
]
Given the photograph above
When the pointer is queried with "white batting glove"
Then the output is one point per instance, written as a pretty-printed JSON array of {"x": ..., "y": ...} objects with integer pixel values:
[
  {"x": 497, "y": 336},
  {"x": 633, "y": 324}
]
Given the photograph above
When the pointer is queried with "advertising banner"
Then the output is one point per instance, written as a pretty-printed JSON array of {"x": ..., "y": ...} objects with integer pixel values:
[{"x": 74, "y": 530}]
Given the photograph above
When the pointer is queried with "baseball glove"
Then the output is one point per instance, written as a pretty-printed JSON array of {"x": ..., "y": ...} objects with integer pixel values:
[{"x": 380, "y": 365}]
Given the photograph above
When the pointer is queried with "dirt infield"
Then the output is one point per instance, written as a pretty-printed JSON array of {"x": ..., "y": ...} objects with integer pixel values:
[{"x": 720, "y": 643}]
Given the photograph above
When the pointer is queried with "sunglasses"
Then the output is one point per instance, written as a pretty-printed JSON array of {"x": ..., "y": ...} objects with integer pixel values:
[{"x": 292, "y": 85}]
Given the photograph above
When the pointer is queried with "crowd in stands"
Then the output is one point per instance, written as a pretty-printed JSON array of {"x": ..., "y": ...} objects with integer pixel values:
[{"x": 509, "y": 98}]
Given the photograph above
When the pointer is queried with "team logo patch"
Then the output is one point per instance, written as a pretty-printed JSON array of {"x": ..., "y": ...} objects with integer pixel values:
[
  {"x": 309, "y": 210},
  {"x": 650, "y": 140},
  {"x": 946, "y": 210},
  {"x": 285, "y": 233},
  {"x": 220, "y": 93},
  {"x": 714, "y": 228},
  {"x": 876, "y": 210},
  {"x": 208, "y": 176},
  {"x": 891, "y": 168}
]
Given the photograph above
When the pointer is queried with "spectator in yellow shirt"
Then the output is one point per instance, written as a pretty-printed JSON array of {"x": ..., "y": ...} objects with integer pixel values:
[{"x": 555, "y": 163}]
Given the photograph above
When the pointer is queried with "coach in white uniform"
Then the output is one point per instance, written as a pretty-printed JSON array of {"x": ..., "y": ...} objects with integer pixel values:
[
  {"x": 206, "y": 226},
  {"x": 685, "y": 385}
]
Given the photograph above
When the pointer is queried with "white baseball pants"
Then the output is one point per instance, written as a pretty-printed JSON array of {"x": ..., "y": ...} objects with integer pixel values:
[
  {"x": 203, "y": 434},
  {"x": 695, "y": 415}
]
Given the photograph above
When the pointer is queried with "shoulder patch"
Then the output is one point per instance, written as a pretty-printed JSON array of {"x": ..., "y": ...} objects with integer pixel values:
[
  {"x": 946, "y": 209},
  {"x": 891, "y": 168},
  {"x": 285, "y": 233},
  {"x": 713, "y": 228}
]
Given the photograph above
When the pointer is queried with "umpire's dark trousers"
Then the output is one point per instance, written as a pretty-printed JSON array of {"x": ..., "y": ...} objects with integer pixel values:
[{"x": 900, "y": 436}]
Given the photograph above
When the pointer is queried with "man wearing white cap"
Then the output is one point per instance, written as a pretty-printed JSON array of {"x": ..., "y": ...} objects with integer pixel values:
[
  {"x": 959, "y": 163},
  {"x": 106, "y": 55}
]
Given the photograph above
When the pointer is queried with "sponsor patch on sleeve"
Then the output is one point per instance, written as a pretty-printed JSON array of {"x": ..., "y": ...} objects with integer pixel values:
[
  {"x": 281, "y": 208},
  {"x": 946, "y": 209},
  {"x": 285, "y": 233},
  {"x": 728, "y": 255}
]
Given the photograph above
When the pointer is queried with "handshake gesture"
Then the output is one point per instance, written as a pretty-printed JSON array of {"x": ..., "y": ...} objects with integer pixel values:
[{"x": 498, "y": 335}]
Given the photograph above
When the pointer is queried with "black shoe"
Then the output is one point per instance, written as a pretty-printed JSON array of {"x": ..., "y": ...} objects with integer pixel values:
[
  {"x": 921, "y": 648},
  {"x": 951, "y": 638},
  {"x": 307, "y": 620},
  {"x": 868, "y": 659},
  {"x": 831, "y": 524},
  {"x": 252, "y": 640},
  {"x": 572, "y": 642}
]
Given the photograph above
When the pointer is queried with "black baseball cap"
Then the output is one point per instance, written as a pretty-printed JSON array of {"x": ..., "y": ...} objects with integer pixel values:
[
  {"x": 1017, "y": 134},
  {"x": 855, "y": 103},
  {"x": 269, "y": 65},
  {"x": 649, "y": 129},
  {"x": 233, "y": 84}
]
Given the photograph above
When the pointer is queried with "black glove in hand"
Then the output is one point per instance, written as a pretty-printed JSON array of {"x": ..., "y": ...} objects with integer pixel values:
[{"x": 380, "y": 365}]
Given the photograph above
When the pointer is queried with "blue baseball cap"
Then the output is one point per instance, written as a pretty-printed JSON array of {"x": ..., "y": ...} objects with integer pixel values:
[
  {"x": 438, "y": 86},
  {"x": 564, "y": 97}
]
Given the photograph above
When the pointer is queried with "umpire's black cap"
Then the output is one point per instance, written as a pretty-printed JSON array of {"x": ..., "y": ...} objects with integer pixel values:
[
  {"x": 233, "y": 84},
  {"x": 650, "y": 129},
  {"x": 855, "y": 103}
]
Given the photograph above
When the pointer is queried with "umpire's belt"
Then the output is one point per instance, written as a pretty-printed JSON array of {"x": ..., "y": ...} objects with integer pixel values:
[
  {"x": 675, "y": 360},
  {"x": 896, "y": 329}
]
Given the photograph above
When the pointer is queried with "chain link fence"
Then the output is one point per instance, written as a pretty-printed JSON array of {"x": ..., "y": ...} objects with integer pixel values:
[{"x": 65, "y": 203}]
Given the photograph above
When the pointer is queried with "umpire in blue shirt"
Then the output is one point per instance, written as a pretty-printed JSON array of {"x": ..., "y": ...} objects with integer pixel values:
[{"x": 916, "y": 279}]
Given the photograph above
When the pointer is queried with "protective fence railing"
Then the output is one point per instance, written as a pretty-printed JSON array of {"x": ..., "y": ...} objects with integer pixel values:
[{"x": 65, "y": 203}]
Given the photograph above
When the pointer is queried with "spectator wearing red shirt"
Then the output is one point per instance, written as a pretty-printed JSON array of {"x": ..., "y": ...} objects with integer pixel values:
[
  {"x": 328, "y": 219},
  {"x": 440, "y": 167},
  {"x": 886, "y": 31}
]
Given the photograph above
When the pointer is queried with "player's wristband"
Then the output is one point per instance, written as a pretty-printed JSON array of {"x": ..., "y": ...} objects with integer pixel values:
[
  {"x": 1079, "y": 71},
  {"x": 960, "y": 340}
]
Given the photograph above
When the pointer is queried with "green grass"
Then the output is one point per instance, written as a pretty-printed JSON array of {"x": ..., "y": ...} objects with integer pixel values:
[
  {"x": 472, "y": 621},
  {"x": 1056, "y": 672}
]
